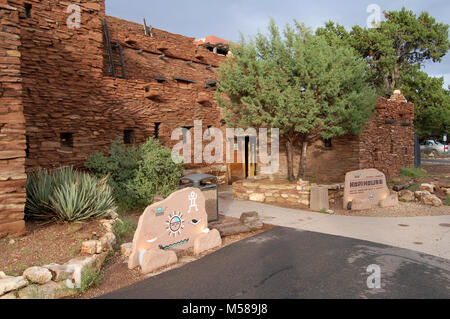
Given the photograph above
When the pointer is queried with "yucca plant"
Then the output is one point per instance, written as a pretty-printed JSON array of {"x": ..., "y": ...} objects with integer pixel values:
[
  {"x": 39, "y": 187},
  {"x": 87, "y": 198},
  {"x": 67, "y": 195}
]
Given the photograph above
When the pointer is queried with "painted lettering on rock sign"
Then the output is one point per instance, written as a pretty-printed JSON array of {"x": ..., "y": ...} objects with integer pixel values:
[
  {"x": 171, "y": 224},
  {"x": 366, "y": 189}
]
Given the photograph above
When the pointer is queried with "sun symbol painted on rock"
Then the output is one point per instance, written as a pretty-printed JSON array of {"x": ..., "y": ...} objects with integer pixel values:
[{"x": 175, "y": 224}]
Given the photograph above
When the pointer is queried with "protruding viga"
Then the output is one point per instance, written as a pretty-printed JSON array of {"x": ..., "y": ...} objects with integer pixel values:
[{"x": 172, "y": 224}]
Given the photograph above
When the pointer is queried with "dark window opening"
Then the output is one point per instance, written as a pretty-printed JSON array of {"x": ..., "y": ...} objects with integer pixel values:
[
  {"x": 147, "y": 89},
  {"x": 392, "y": 146},
  {"x": 28, "y": 7},
  {"x": 327, "y": 143},
  {"x": 128, "y": 136},
  {"x": 66, "y": 140},
  {"x": 157, "y": 126},
  {"x": 27, "y": 149},
  {"x": 183, "y": 80},
  {"x": 160, "y": 80}
]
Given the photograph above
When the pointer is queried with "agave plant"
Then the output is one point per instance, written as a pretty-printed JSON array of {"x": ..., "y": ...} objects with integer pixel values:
[
  {"x": 39, "y": 187},
  {"x": 68, "y": 195}
]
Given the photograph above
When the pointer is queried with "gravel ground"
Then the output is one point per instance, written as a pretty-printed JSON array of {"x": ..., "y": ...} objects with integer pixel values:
[{"x": 404, "y": 210}]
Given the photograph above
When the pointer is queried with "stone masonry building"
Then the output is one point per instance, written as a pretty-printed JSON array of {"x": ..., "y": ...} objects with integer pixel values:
[{"x": 68, "y": 90}]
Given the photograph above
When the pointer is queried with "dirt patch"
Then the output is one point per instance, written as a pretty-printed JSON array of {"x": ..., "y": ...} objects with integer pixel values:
[
  {"x": 45, "y": 244},
  {"x": 437, "y": 169},
  {"x": 116, "y": 274}
]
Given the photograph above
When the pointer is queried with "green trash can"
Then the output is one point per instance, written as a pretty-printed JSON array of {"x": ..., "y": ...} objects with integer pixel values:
[{"x": 209, "y": 186}]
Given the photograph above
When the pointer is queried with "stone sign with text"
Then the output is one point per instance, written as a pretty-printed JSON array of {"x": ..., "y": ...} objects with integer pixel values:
[
  {"x": 366, "y": 189},
  {"x": 179, "y": 222}
]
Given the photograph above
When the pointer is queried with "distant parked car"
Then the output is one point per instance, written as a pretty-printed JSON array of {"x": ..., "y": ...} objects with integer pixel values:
[{"x": 433, "y": 147}]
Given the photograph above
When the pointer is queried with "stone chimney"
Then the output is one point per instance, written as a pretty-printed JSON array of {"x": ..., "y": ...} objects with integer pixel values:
[{"x": 398, "y": 96}]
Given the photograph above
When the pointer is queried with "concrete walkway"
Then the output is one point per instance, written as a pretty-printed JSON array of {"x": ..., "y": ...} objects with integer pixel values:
[{"x": 429, "y": 235}]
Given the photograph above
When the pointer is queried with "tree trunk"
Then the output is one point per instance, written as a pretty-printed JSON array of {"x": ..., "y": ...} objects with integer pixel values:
[
  {"x": 290, "y": 160},
  {"x": 302, "y": 164}
]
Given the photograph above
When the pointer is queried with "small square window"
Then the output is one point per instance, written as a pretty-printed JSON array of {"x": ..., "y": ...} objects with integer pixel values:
[
  {"x": 157, "y": 126},
  {"x": 327, "y": 143},
  {"x": 28, "y": 7},
  {"x": 128, "y": 136},
  {"x": 66, "y": 140}
]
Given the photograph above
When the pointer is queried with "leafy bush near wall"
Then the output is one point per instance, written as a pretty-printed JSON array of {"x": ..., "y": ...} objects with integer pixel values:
[
  {"x": 137, "y": 174},
  {"x": 67, "y": 195}
]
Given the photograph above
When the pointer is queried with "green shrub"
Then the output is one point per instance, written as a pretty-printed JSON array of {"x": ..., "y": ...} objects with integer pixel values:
[
  {"x": 121, "y": 165},
  {"x": 90, "y": 277},
  {"x": 124, "y": 229},
  {"x": 137, "y": 174},
  {"x": 447, "y": 201},
  {"x": 413, "y": 172},
  {"x": 67, "y": 195}
]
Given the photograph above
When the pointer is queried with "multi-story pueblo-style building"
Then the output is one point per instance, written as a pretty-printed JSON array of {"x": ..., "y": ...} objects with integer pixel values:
[{"x": 73, "y": 79}]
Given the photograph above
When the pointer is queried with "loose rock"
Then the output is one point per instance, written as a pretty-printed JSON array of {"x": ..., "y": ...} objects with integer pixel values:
[
  {"x": 38, "y": 275},
  {"x": 427, "y": 187},
  {"x": 207, "y": 241},
  {"x": 50, "y": 290},
  {"x": 126, "y": 249},
  {"x": 407, "y": 196},
  {"x": 12, "y": 283},
  {"x": 155, "y": 259}
]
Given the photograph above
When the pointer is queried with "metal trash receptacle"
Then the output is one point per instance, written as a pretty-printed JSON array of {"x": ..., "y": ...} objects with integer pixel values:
[{"x": 209, "y": 186}]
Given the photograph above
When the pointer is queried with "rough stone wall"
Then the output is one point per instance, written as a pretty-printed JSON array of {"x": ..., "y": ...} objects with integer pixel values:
[
  {"x": 12, "y": 126},
  {"x": 67, "y": 88},
  {"x": 325, "y": 164},
  {"x": 387, "y": 143}
]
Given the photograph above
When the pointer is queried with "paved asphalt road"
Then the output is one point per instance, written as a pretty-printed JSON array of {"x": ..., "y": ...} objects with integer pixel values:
[{"x": 285, "y": 263}]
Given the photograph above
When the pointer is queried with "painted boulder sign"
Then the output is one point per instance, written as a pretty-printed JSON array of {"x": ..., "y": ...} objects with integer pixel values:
[
  {"x": 175, "y": 223},
  {"x": 366, "y": 189}
]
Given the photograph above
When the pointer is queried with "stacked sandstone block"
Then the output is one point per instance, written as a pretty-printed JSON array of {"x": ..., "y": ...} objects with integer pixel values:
[{"x": 12, "y": 126}]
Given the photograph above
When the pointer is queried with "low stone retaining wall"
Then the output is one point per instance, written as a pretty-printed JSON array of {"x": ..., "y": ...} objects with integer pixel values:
[
  {"x": 56, "y": 281},
  {"x": 266, "y": 191},
  {"x": 281, "y": 192}
]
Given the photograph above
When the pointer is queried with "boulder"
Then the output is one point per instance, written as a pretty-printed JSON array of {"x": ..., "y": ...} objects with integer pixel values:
[
  {"x": 252, "y": 220},
  {"x": 59, "y": 272},
  {"x": 420, "y": 194},
  {"x": 427, "y": 187},
  {"x": 207, "y": 241},
  {"x": 407, "y": 196},
  {"x": 431, "y": 200},
  {"x": 91, "y": 247},
  {"x": 126, "y": 249},
  {"x": 38, "y": 275},
  {"x": 51, "y": 290},
  {"x": 155, "y": 259},
  {"x": 108, "y": 240},
  {"x": 12, "y": 283}
]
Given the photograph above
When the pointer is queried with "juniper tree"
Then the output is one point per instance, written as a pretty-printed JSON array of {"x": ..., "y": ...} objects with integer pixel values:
[
  {"x": 401, "y": 42},
  {"x": 296, "y": 82}
]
